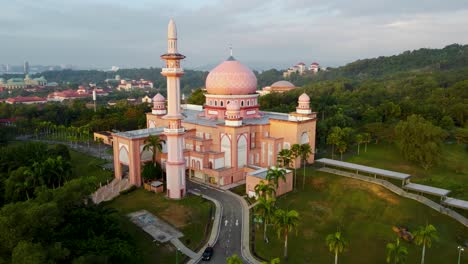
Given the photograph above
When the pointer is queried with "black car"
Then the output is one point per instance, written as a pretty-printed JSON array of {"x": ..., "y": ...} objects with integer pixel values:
[{"x": 208, "y": 253}]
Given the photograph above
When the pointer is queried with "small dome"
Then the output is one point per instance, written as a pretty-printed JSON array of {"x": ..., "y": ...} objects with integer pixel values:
[
  {"x": 159, "y": 98},
  {"x": 282, "y": 84},
  {"x": 233, "y": 106},
  {"x": 304, "y": 98},
  {"x": 231, "y": 78}
]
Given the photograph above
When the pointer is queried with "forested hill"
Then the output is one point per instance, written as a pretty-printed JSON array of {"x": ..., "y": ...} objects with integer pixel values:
[{"x": 454, "y": 56}]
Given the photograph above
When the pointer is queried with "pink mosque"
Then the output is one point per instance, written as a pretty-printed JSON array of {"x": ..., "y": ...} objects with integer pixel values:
[{"x": 225, "y": 141}]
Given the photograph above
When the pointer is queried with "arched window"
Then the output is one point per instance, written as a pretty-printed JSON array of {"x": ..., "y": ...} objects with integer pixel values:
[
  {"x": 242, "y": 103},
  {"x": 248, "y": 102},
  {"x": 216, "y": 102},
  {"x": 221, "y": 103}
]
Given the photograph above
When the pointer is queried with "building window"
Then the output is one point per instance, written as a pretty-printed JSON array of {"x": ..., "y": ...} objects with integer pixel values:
[
  {"x": 248, "y": 102},
  {"x": 242, "y": 103},
  {"x": 216, "y": 102},
  {"x": 221, "y": 103},
  {"x": 227, "y": 102}
]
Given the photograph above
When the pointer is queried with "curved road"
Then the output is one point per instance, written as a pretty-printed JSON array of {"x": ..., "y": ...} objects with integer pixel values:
[{"x": 229, "y": 239}]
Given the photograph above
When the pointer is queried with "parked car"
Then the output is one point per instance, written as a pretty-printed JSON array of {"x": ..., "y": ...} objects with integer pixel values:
[{"x": 207, "y": 254}]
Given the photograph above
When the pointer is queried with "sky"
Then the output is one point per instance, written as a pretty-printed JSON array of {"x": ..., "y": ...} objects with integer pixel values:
[{"x": 263, "y": 34}]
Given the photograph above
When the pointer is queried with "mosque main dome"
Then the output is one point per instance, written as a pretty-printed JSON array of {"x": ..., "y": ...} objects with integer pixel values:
[{"x": 231, "y": 78}]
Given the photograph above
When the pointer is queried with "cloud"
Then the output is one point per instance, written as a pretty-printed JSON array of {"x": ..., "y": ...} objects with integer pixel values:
[{"x": 264, "y": 33}]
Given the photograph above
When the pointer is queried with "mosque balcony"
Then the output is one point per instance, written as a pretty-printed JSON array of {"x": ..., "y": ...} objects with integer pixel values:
[
  {"x": 172, "y": 70},
  {"x": 174, "y": 130}
]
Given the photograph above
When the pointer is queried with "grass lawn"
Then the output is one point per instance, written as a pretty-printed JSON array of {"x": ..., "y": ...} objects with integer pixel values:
[
  {"x": 451, "y": 173},
  {"x": 239, "y": 190},
  {"x": 85, "y": 165},
  {"x": 365, "y": 213},
  {"x": 191, "y": 216}
]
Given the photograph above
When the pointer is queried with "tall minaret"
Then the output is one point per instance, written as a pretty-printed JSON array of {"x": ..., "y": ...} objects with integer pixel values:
[{"x": 175, "y": 165}]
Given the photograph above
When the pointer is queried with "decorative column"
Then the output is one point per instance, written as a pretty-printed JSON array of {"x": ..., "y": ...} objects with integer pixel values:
[{"x": 175, "y": 164}]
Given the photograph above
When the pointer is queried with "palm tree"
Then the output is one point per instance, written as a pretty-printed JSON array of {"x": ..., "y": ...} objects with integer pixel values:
[
  {"x": 396, "y": 252},
  {"x": 295, "y": 150},
  {"x": 285, "y": 222},
  {"x": 234, "y": 259},
  {"x": 359, "y": 140},
  {"x": 305, "y": 152},
  {"x": 367, "y": 139},
  {"x": 275, "y": 174},
  {"x": 154, "y": 144},
  {"x": 284, "y": 158},
  {"x": 265, "y": 208},
  {"x": 336, "y": 244},
  {"x": 341, "y": 147},
  {"x": 263, "y": 189},
  {"x": 424, "y": 237}
]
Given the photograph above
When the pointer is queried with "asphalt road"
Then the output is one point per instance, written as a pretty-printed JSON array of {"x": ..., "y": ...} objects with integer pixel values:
[{"x": 229, "y": 239}]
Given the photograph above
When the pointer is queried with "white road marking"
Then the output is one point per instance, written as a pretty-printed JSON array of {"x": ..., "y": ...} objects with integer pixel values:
[
  {"x": 225, "y": 222},
  {"x": 237, "y": 222}
]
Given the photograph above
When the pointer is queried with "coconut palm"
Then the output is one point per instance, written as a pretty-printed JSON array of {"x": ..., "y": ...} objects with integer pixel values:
[
  {"x": 154, "y": 144},
  {"x": 295, "y": 150},
  {"x": 396, "y": 252},
  {"x": 234, "y": 259},
  {"x": 285, "y": 222},
  {"x": 275, "y": 174},
  {"x": 336, "y": 244},
  {"x": 284, "y": 158},
  {"x": 424, "y": 236},
  {"x": 265, "y": 208},
  {"x": 305, "y": 152},
  {"x": 263, "y": 189}
]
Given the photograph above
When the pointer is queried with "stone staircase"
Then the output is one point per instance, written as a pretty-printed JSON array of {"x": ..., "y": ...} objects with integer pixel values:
[{"x": 111, "y": 190}]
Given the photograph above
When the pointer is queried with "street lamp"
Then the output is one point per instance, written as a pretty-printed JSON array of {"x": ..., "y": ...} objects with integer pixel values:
[
  {"x": 460, "y": 250},
  {"x": 177, "y": 256}
]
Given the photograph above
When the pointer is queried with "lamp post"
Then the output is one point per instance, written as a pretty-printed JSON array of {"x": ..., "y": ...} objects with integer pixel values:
[
  {"x": 460, "y": 250},
  {"x": 177, "y": 256}
]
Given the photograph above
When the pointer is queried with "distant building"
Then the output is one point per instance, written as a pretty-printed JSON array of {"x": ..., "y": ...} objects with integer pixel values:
[
  {"x": 126, "y": 85},
  {"x": 26, "y": 67},
  {"x": 71, "y": 94},
  {"x": 26, "y": 100},
  {"x": 301, "y": 68},
  {"x": 277, "y": 87},
  {"x": 146, "y": 99},
  {"x": 314, "y": 67},
  {"x": 18, "y": 83}
]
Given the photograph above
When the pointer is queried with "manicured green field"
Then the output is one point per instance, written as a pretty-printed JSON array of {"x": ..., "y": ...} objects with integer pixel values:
[
  {"x": 191, "y": 216},
  {"x": 451, "y": 173},
  {"x": 365, "y": 213},
  {"x": 84, "y": 165}
]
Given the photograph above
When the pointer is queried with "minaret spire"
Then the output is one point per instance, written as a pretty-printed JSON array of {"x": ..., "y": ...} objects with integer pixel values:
[
  {"x": 171, "y": 37},
  {"x": 230, "y": 49},
  {"x": 175, "y": 164}
]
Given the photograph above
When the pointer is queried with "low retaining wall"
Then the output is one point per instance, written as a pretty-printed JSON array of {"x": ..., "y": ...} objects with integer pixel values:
[{"x": 441, "y": 209}]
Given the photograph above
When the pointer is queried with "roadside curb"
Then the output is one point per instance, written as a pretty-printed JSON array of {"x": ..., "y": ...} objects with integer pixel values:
[
  {"x": 245, "y": 247},
  {"x": 214, "y": 229}
]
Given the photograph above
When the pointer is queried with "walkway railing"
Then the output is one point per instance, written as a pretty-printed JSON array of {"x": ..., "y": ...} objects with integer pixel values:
[{"x": 443, "y": 210}]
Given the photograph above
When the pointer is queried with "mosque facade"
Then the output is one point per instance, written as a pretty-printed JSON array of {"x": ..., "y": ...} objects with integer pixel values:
[{"x": 227, "y": 140}]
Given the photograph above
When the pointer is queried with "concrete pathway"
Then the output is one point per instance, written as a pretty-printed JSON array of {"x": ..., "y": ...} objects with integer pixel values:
[
  {"x": 214, "y": 229},
  {"x": 185, "y": 250}
]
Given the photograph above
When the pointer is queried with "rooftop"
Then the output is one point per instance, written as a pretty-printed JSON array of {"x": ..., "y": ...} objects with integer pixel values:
[
  {"x": 192, "y": 116},
  {"x": 141, "y": 133}
]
